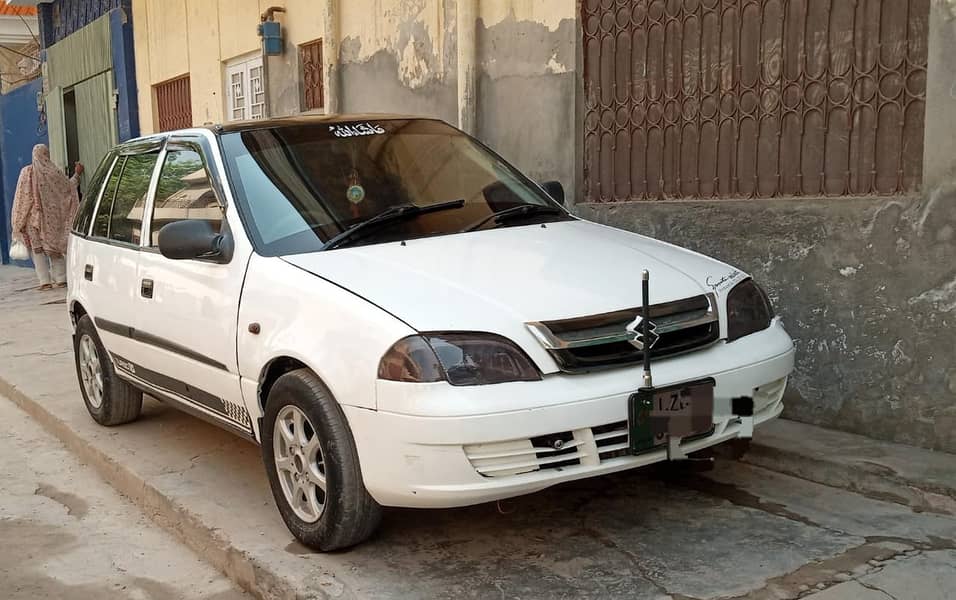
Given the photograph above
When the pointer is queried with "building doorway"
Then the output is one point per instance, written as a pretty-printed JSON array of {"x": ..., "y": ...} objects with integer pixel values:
[{"x": 72, "y": 135}]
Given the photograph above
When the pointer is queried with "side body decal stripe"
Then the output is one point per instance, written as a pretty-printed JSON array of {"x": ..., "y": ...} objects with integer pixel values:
[
  {"x": 236, "y": 415},
  {"x": 154, "y": 340}
]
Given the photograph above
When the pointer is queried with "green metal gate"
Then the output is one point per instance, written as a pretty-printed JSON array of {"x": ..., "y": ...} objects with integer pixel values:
[{"x": 83, "y": 63}]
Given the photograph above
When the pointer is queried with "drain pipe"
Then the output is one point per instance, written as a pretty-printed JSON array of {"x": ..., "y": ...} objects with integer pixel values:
[
  {"x": 467, "y": 57},
  {"x": 330, "y": 54}
]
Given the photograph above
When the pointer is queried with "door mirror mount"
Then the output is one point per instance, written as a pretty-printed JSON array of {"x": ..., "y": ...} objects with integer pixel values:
[
  {"x": 194, "y": 239},
  {"x": 555, "y": 190}
]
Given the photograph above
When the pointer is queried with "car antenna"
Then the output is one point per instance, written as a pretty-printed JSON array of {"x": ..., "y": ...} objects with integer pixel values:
[{"x": 645, "y": 331}]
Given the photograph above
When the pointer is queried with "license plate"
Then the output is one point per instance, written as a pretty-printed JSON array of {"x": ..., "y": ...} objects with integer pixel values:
[{"x": 683, "y": 410}]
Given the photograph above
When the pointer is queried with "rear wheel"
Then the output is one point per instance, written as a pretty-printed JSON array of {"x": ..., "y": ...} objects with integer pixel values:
[
  {"x": 109, "y": 400},
  {"x": 313, "y": 465}
]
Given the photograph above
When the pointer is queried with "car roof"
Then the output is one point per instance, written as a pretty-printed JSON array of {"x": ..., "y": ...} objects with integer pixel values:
[
  {"x": 251, "y": 125},
  {"x": 307, "y": 120}
]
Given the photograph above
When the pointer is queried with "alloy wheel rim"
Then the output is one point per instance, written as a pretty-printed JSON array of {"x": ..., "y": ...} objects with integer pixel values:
[
  {"x": 299, "y": 463},
  {"x": 91, "y": 372}
]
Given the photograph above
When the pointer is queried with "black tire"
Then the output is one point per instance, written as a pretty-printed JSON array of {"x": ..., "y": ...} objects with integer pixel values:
[
  {"x": 350, "y": 515},
  {"x": 121, "y": 402}
]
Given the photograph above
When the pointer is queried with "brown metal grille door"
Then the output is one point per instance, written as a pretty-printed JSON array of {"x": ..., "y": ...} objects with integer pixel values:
[
  {"x": 310, "y": 59},
  {"x": 753, "y": 98},
  {"x": 174, "y": 104}
]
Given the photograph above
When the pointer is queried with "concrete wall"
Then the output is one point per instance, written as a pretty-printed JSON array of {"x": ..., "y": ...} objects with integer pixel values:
[
  {"x": 176, "y": 37},
  {"x": 20, "y": 130},
  {"x": 403, "y": 64},
  {"x": 939, "y": 164},
  {"x": 303, "y": 22},
  {"x": 526, "y": 89}
]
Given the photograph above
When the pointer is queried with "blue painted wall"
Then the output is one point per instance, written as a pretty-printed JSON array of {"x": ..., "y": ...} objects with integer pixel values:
[
  {"x": 20, "y": 130},
  {"x": 61, "y": 18}
]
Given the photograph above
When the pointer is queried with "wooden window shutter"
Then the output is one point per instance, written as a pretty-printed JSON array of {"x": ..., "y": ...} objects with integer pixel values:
[{"x": 310, "y": 65}]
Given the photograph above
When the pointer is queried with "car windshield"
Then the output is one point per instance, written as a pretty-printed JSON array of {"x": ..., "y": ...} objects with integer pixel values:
[{"x": 299, "y": 186}]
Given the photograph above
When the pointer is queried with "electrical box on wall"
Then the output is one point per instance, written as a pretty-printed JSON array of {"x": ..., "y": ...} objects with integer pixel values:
[{"x": 271, "y": 34}]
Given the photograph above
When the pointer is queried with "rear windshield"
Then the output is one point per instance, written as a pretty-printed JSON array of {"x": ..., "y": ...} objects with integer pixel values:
[{"x": 298, "y": 186}]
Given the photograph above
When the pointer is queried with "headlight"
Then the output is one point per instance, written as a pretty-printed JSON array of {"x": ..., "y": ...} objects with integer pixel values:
[
  {"x": 748, "y": 310},
  {"x": 459, "y": 358}
]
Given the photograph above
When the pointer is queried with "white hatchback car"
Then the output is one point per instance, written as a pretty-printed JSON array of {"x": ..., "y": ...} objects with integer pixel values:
[{"x": 401, "y": 318}]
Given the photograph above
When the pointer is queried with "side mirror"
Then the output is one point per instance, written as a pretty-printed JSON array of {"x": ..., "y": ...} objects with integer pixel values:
[
  {"x": 555, "y": 190},
  {"x": 193, "y": 239}
]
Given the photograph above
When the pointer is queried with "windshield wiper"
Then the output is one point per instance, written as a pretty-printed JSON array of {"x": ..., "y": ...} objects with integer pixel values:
[
  {"x": 395, "y": 213},
  {"x": 523, "y": 210}
]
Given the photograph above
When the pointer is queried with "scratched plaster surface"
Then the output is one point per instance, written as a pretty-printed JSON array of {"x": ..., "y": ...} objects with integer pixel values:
[
  {"x": 867, "y": 288},
  {"x": 526, "y": 80}
]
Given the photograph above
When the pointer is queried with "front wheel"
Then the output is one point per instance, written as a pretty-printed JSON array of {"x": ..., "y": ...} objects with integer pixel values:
[{"x": 313, "y": 466}]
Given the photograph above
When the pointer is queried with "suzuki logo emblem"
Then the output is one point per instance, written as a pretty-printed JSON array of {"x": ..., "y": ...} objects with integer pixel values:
[{"x": 636, "y": 329}]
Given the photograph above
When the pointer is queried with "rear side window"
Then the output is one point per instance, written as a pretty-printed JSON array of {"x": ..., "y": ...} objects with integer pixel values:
[
  {"x": 129, "y": 203},
  {"x": 101, "y": 227},
  {"x": 84, "y": 214},
  {"x": 184, "y": 193}
]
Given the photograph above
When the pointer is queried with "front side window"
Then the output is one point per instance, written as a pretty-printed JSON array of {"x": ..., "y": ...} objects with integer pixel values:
[
  {"x": 126, "y": 217},
  {"x": 184, "y": 192},
  {"x": 300, "y": 186}
]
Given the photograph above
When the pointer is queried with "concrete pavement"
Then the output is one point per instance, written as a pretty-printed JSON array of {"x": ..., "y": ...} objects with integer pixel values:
[
  {"x": 67, "y": 535},
  {"x": 741, "y": 531},
  {"x": 919, "y": 478}
]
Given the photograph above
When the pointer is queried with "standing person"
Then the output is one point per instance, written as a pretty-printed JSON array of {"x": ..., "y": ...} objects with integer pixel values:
[{"x": 43, "y": 210}]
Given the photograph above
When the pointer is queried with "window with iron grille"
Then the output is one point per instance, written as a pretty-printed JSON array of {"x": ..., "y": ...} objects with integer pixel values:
[
  {"x": 245, "y": 89},
  {"x": 173, "y": 104},
  {"x": 753, "y": 98},
  {"x": 310, "y": 64}
]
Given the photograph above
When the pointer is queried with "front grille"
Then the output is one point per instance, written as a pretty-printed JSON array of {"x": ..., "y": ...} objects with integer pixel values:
[
  {"x": 590, "y": 446},
  {"x": 611, "y": 440},
  {"x": 769, "y": 394},
  {"x": 595, "y": 342},
  {"x": 500, "y": 459}
]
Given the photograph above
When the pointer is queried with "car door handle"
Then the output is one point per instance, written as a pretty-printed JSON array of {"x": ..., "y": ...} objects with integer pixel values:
[
  {"x": 146, "y": 288},
  {"x": 88, "y": 273}
]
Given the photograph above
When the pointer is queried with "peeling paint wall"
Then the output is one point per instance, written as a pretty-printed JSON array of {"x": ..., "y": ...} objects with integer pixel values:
[
  {"x": 407, "y": 63},
  {"x": 403, "y": 62},
  {"x": 526, "y": 95}
]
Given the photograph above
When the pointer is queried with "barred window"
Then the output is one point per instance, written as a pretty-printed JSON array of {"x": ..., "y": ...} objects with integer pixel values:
[{"x": 173, "y": 104}]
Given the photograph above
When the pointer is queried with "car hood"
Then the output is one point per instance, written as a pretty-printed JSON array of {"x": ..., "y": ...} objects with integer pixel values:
[{"x": 497, "y": 280}]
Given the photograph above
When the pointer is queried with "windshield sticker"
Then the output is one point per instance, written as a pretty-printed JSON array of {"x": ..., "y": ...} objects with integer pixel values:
[
  {"x": 719, "y": 284},
  {"x": 355, "y": 193},
  {"x": 356, "y": 130}
]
